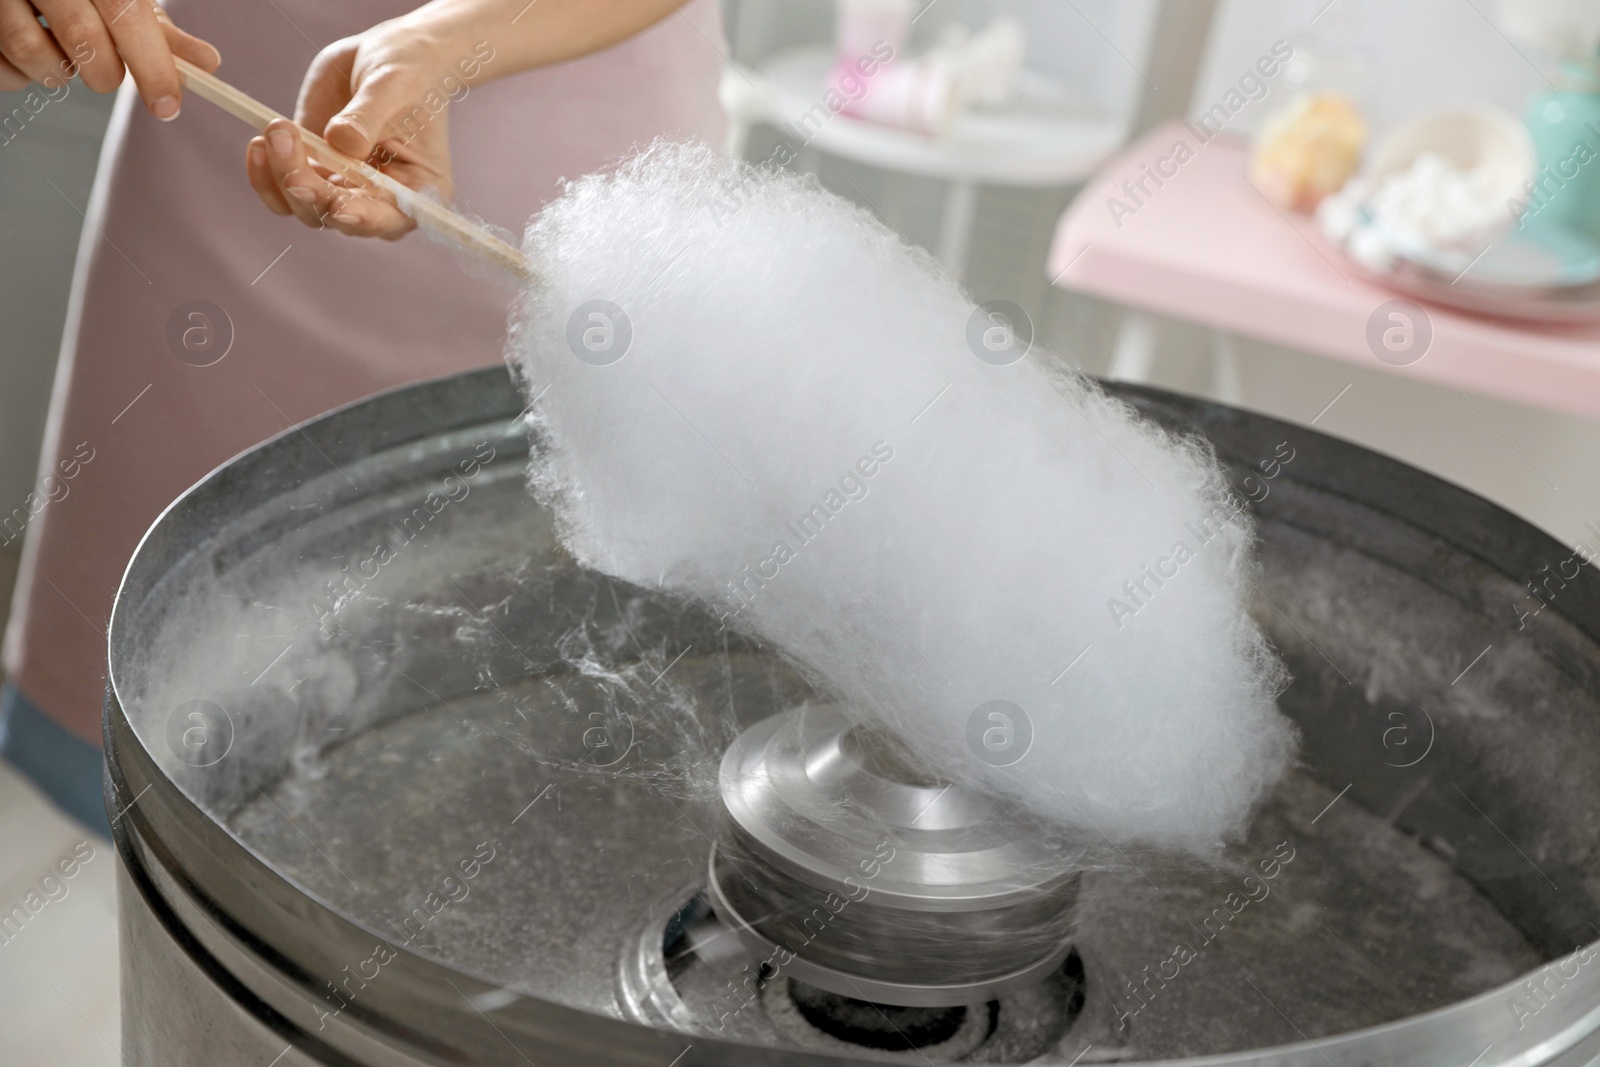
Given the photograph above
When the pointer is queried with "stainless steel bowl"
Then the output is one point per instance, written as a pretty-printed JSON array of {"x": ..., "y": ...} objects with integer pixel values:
[{"x": 395, "y": 781}]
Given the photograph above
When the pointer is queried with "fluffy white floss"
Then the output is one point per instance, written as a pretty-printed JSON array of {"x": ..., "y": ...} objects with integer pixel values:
[
  {"x": 752, "y": 394},
  {"x": 1431, "y": 212}
]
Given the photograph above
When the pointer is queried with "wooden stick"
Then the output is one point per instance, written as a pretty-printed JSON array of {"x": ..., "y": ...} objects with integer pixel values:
[{"x": 458, "y": 228}]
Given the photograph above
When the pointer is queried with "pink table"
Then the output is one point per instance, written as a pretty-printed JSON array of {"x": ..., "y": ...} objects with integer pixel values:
[{"x": 1205, "y": 246}]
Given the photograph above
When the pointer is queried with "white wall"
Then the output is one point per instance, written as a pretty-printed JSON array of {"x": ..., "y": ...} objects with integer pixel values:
[
  {"x": 1096, "y": 46},
  {"x": 1422, "y": 53}
]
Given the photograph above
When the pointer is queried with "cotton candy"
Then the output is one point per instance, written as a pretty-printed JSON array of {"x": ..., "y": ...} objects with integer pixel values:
[{"x": 747, "y": 392}]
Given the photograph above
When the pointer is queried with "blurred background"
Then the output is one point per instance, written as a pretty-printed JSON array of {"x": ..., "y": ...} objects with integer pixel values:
[{"x": 1191, "y": 280}]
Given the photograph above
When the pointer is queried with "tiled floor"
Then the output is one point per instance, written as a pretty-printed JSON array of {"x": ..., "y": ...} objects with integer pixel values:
[{"x": 58, "y": 936}]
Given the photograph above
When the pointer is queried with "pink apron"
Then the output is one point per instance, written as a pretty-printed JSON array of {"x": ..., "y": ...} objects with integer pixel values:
[{"x": 318, "y": 319}]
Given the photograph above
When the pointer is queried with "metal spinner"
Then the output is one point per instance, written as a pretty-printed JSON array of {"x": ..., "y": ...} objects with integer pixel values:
[{"x": 846, "y": 868}]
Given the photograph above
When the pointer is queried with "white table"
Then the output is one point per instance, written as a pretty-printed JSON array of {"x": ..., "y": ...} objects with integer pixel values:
[{"x": 1048, "y": 136}]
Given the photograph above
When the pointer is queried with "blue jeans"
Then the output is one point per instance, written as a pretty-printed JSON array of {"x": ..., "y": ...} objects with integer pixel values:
[{"x": 65, "y": 768}]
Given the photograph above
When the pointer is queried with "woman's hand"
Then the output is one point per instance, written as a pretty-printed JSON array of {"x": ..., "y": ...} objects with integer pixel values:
[
  {"x": 98, "y": 39},
  {"x": 381, "y": 96}
]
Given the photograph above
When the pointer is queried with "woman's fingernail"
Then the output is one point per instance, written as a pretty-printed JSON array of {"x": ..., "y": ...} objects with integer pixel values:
[
  {"x": 282, "y": 142},
  {"x": 293, "y": 184},
  {"x": 258, "y": 155},
  {"x": 354, "y": 127},
  {"x": 346, "y": 218},
  {"x": 165, "y": 109}
]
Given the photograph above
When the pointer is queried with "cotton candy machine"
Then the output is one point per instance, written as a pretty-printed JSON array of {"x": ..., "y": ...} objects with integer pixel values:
[{"x": 395, "y": 781}]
